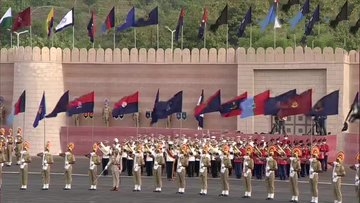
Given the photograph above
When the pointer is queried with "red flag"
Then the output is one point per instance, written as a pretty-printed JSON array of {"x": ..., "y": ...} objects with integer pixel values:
[
  {"x": 300, "y": 104},
  {"x": 22, "y": 20},
  {"x": 260, "y": 101}
]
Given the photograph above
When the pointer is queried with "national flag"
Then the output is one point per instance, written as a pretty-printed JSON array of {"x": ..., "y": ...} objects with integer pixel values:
[
  {"x": 203, "y": 24},
  {"x": 83, "y": 104},
  {"x": 50, "y": 22},
  {"x": 286, "y": 7},
  {"x": 166, "y": 108},
  {"x": 301, "y": 15},
  {"x": 91, "y": 27},
  {"x": 246, "y": 21},
  {"x": 151, "y": 19},
  {"x": 327, "y": 105},
  {"x": 19, "y": 106},
  {"x": 270, "y": 18},
  {"x": 277, "y": 23},
  {"x": 300, "y": 104},
  {"x": 200, "y": 118},
  {"x": 61, "y": 105},
  {"x": 6, "y": 20},
  {"x": 222, "y": 19},
  {"x": 180, "y": 25},
  {"x": 154, "y": 118},
  {"x": 129, "y": 22},
  {"x": 342, "y": 15},
  {"x": 213, "y": 104},
  {"x": 232, "y": 108},
  {"x": 126, "y": 105},
  {"x": 355, "y": 28},
  {"x": 41, "y": 112},
  {"x": 66, "y": 21},
  {"x": 109, "y": 21},
  {"x": 272, "y": 107},
  {"x": 22, "y": 20}
]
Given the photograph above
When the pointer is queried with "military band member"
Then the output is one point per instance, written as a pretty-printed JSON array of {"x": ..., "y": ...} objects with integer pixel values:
[
  {"x": 138, "y": 158},
  {"x": 9, "y": 148},
  {"x": 116, "y": 168},
  {"x": 105, "y": 149},
  {"x": 337, "y": 173},
  {"x": 248, "y": 166},
  {"x": 204, "y": 164},
  {"x": 356, "y": 168},
  {"x": 295, "y": 168},
  {"x": 224, "y": 171},
  {"x": 47, "y": 160},
  {"x": 270, "y": 168},
  {"x": 18, "y": 145},
  {"x": 2, "y": 159},
  {"x": 170, "y": 160},
  {"x": 159, "y": 161},
  {"x": 315, "y": 169},
  {"x": 94, "y": 162},
  {"x": 69, "y": 159},
  {"x": 182, "y": 163},
  {"x": 25, "y": 159}
]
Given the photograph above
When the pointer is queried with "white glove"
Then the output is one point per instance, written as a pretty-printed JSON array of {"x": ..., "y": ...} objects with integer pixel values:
[
  {"x": 246, "y": 163},
  {"x": 202, "y": 165},
  {"x": 106, "y": 167},
  {"x": 45, "y": 162}
]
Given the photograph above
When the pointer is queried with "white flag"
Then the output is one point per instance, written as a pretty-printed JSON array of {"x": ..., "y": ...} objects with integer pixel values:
[
  {"x": 277, "y": 23},
  {"x": 68, "y": 20}
]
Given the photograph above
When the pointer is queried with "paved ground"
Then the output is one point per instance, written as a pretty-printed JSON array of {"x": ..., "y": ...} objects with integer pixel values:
[{"x": 80, "y": 193}]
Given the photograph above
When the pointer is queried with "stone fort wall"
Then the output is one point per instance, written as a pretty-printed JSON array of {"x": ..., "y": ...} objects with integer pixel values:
[{"x": 113, "y": 74}]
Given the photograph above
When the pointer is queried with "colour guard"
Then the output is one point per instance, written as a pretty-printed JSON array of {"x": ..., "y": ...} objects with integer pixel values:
[
  {"x": 69, "y": 159},
  {"x": 18, "y": 145},
  {"x": 248, "y": 166},
  {"x": 116, "y": 167},
  {"x": 315, "y": 169},
  {"x": 94, "y": 162},
  {"x": 159, "y": 161},
  {"x": 204, "y": 164},
  {"x": 337, "y": 173},
  {"x": 182, "y": 163},
  {"x": 295, "y": 168},
  {"x": 270, "y": 168},
  {"x": 138, "y": 158},
  {"x": 46, "y": 161},
  {"x": 224, "y": 170},
  {"x": 25, "y": 159}
]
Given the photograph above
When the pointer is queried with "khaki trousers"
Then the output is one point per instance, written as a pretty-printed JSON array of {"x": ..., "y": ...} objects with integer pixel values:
[
  {"x": 224, "y": 177},
  {"x": 115, "y": 172},
  {"x": 157, "y": 176},
  {"x": 247, "y": 180},
  {"x": 181, "y": 178},
  {"x": 137, "y": 177},
  {"x": 314, "y": 185},
  {"x": 24, "y": 175},
  {"x": 68, "y": 175},
  {"x": 46, "y": 175},
  {"x": 270, "y": 187},
  {"x": 294, "y": 183},
  {"x": 203, "y": 179},
  {"x": 337, "y": 190},
  {"x": 92, "y": 176}
]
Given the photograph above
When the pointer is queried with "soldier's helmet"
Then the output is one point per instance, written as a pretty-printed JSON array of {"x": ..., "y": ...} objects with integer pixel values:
[{"x": 26, "y": 145}]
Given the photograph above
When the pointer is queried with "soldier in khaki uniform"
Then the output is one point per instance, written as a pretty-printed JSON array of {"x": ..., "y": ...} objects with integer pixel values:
[
  {"x": 159, "y": 161},
  {"x": 356, "y": 167},
  {"x": 25, "y": 159},
  {"x": 106, "y": 113},
  {"x": 338, "y": 172},
  {"x": 225, "y": 165},
  {"x": 270, "y": 168},
  {"x": 203, "y": 166},
  {"x": 295, "y": 168},
  {"x": 182, "y": 163},
  {"x": 2, "y": 160},
  {"x": 47, "y": 160},
  {"x": 18, "y": 145},
  {"x": 315, "y": 169},
  {"x": 248, "y": 166},
  {"x": 116, "y": 168},
  {"x": 9, "y": 148},
  {"x": 138, "y": 157},
  {"x": 69, "y": 159},
  {"x": 94, "y": 162}
]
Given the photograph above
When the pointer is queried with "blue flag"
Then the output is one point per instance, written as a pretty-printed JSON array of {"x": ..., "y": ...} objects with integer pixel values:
[
  {"x": 246, "y": 21},
  {"x": 270, "y": 18},
  {"x": 247, "y": 107},
  {"x": 151, "y": 19},
  {"x": 154, "y": 118},
  {"x": 326, "y": 106},
  {"x": 130, "y": 21},
  {"x": 166, "y": 108},
  {"x": 301, "y": 15},
  {"x": 315, "y": 18},
  {"x": 61, "y": 106},
  {"x": 41, "y": 112}
]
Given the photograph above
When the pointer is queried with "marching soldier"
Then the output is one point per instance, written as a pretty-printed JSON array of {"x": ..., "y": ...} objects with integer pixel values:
[
  {"x": 295, "y": 168},
  {"x": 138, "y": 157},
  {"x": 2, "y": 111},
  {"x": 224, "y": 171},
  {"x": 204, "y": 164},
  {"x": 106, "y": 113},
  {"x": 69, "y": 161},
  {"x": 248, "y": 166},
  {"x": 159, "y": 161},
  {"x": 18, "y": 145},
  {"x": 9, "y": 148},
  {"x": 47, "y": 159},
  {"x": 182, "y": 163},
  {"x": 338, "y": 172},
  {"x": 94, "y": 162},
  {"x": 356, "y": 167},
  {"x": 315, "y": 169},
  {"x": 116, "y": 168},
  {"x": 2, "y": 159},
  {"x": 270, "y": 168},
  {"x": 25, "y": 159}
]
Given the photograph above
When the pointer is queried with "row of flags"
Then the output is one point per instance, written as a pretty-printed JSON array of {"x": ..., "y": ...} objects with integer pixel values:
[
  {"x": 23, "y": 20},
  {"x": 286, "y": 104}
]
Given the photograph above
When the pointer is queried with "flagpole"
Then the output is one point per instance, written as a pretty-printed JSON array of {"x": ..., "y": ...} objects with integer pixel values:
[
  {"x": 52, "y": 40},
  {"x": 135, "y": 37},
  {"x": 157, "y": 36},
  {"x": 227, "y": 36},
  {"x": 294, "y": 41},
  {"x": 44, "y": 133},
  {"x": 11, "y": 39},
  {"x": 114, "y": 38},
  {"x": 250, "y": 35},
  {"x": 30, "y": 36},
  {"x": 24, "y": 125},
  {"x": 274, "y": 38},
  {"x": 73, "y": 37},
  {"x": 92, "y": 127},
  {"x": 205, "y": 35},
  {"x": 182, "y": 37},
  {"x": 67, "y": 129}
]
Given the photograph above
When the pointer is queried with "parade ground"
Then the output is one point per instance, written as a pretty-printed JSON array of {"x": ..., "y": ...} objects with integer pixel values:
[{"x": 11, "y": 193}]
